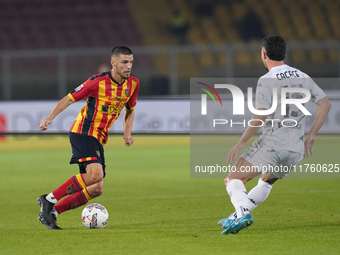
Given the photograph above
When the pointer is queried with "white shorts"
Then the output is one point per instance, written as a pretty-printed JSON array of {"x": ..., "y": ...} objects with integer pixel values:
[{"x": 266, "y": 159}]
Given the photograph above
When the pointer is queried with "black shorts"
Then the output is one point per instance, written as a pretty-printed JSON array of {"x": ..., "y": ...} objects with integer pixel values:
[{"x": 86, "y": 150}]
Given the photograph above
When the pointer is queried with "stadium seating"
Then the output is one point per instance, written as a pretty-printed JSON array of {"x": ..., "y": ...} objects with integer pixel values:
[
  {"x": 38, "y": 24},
  {"x": 295, "y": 20}
]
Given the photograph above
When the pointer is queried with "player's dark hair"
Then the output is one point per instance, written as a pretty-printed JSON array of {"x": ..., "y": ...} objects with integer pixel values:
[
  {"x": 116, "y": 51},
  {"x": 275, "y": 47}
]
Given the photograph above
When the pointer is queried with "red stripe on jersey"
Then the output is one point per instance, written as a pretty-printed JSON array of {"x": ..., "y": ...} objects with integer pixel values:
[
  {"x": 80, "y": 127},
  {"x": 129, "y": 86},
  {"x": 99, "y": 136},
  {"x": 72, "y": 125},
  {"x": 119, "y": 93},
  {"x": 103, "y": 120},
  {"x": 110, "y": 123},
  {"x": 108, "y": 88},
  {"x": 102, "y": 123}
]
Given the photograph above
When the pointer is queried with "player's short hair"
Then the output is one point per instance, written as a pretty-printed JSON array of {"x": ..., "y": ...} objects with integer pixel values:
[
  {"x": 275, "y": 47},
  {"x": 116, "y": 51}
]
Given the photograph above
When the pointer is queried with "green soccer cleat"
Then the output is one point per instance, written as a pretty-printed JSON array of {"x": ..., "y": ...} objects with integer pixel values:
[{"x": 239, "y": 224}]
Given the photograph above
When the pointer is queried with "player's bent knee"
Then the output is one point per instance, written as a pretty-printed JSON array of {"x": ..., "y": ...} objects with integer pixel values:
[
  {"x": 97, "y": 176},
  {"x": 269, "y": 181},
  {"x": 269, "y": 178},
  {"x": 94, "y": 174},
  {"x": 96, "y": 190},
  {"x": 93, "y": 177},
  {"x": 228, "y": 179}
]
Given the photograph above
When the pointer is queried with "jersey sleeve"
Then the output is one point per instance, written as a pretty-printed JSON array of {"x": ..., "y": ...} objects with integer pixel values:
[
  {"x": 316, "y": 92},
  {"x": 131, "y": 104},
  {"x": 85, "y": 90},
  {"x": 264, "y": 94}
]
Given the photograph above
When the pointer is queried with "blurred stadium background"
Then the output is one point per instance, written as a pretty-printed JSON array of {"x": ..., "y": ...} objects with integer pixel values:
[
  {"x": 50, "y": 47},
  {"x": 47, "y": 48}
]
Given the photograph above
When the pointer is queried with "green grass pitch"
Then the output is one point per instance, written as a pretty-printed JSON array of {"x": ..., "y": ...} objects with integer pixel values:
[{"x": 156, "y": 208}]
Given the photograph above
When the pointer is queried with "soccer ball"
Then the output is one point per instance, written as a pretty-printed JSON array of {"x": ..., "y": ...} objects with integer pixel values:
[{"x": 95, "y": 216}]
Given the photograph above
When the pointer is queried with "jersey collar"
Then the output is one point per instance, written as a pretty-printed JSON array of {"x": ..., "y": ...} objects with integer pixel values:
[
  {"x": 116, "y": 82},
  {"x": 276, "y": 67}
]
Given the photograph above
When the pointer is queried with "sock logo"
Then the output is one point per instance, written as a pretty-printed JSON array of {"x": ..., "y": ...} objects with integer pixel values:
[
  {"x": 75, "y": 206},
  {"x": 252, "y": 200},
  {"x": 245, "y": 209},
  {"x": 70, "y": 189}
]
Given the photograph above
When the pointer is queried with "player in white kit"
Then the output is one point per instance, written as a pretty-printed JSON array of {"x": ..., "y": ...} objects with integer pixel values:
[{"x": 281, "y": 145}]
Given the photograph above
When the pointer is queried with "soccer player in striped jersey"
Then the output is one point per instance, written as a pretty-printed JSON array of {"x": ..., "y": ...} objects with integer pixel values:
[{"x": 107, "y": 93}]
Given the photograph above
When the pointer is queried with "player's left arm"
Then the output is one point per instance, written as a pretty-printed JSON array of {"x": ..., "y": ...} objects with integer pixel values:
[
  {"x": 257, "y": 122},
  {"x": 320, "y": 117},
  {"x": 130, "y": 115},
  {"x": 128, "y": 123}
]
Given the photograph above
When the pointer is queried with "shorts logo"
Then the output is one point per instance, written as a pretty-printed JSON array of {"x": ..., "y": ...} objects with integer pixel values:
[
  {"x": 79, "y": 87},
  {"x": 98, "y": 153}
]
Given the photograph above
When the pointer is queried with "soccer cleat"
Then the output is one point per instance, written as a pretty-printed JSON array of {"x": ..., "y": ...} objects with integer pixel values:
[
  {"x": 51, "y": 225},
  {"x": 45, "y": 216},
  {"x": 239, "y": 224},
  {"x": 226, "y": 223}
]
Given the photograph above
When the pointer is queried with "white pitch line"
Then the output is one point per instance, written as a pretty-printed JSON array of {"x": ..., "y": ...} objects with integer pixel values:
[{"x": 212, "y": 195}]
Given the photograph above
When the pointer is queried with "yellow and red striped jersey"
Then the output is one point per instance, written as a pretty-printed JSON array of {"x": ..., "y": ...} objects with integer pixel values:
[{"x": 105, "y": 100}]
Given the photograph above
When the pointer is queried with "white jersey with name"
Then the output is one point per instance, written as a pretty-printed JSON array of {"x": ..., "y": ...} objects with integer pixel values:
[{"x": 285, "y": 131}]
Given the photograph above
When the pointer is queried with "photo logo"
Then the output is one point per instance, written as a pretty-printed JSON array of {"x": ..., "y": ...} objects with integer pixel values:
[
  {"x": 238, "y": 99},
  {"x": 292, "y": 101},
  {"x": 204, "y": 97}
]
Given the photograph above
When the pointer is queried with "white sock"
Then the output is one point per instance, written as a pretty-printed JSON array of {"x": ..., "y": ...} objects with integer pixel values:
[
  {"x": 54, "y": 211},
  {"x": 233, "y": 215},
  {"x": 238, "y": 196},
  {"x": 258, "y": 194},
  {"x": 50, "y": 197}
]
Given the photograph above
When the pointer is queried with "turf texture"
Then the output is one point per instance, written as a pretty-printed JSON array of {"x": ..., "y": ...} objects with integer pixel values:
[{"x": 156, "y": 208}]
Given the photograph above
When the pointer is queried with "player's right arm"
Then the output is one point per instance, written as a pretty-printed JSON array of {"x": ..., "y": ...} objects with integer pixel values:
[
  {"x": 87, "y": 89},
  {"x": 60, "y": 106},
  {"x": 321, "y": 114}
]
